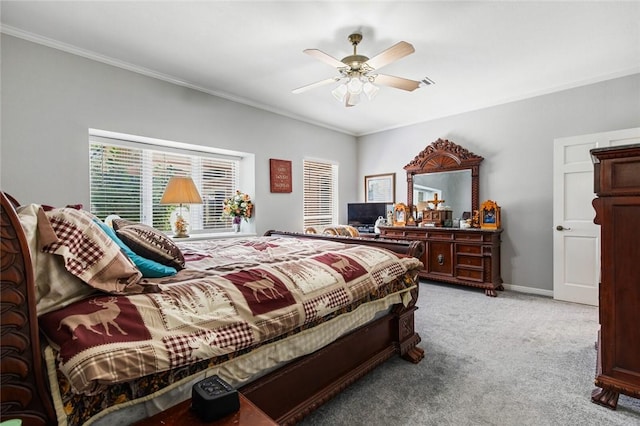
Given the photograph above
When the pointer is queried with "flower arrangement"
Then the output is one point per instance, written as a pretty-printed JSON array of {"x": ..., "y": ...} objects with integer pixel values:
[{"x": 238, "y": 206}]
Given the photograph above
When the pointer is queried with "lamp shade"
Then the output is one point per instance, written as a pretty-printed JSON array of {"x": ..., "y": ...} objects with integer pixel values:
[{"x": 181, "y": 190}]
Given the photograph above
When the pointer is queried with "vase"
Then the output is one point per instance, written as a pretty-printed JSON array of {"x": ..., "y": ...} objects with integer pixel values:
[{"x": 236, "y": 223}]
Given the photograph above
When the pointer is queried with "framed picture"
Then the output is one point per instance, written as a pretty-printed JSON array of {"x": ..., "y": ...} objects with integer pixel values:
[
  {"x": 280, "y": 175},
  {"x": 401, "y": 214},
  {"x": 380, "y": 188},
  {"x": 489, "y": 215}
]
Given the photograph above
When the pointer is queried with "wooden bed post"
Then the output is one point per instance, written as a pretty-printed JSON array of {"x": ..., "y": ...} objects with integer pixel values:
[
  {"x": 408, "y": 339},
  {"x": 23, "y": 394}
]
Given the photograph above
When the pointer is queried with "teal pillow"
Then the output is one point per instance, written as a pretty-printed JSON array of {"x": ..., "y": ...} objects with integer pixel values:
[{"x": 149, "y": 268}]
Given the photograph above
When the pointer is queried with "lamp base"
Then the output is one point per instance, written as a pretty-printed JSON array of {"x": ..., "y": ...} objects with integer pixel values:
[{"x": 180, "y": 225}]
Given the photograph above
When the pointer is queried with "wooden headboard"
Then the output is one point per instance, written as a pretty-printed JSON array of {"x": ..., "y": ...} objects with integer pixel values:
[{"x": 24, "y": 392}]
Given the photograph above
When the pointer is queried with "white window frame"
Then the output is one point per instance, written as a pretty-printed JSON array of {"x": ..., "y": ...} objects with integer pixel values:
[
  {"x": 327, "y": 213},
  {"x": 196, "y": 152}
]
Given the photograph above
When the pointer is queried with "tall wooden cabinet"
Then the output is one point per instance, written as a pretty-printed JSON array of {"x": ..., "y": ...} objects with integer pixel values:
[
  {"x": 469, "y": 257},
  {"x": 617, "y": 186}
]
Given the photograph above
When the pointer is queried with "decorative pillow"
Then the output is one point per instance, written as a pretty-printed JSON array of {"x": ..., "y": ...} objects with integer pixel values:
[
  {"x": 148, "y": 267},
  {"x": 48, "y": 208},
  {"x": 149, "y": 243},
  {"x": 91, "y": 255},
  {"x": 55, "y": 286}
]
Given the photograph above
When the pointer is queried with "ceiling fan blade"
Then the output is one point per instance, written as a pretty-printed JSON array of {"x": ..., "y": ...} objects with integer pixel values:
[
  {"x": 397, "y": 82},
  {"x": 326, "y": 58},
  {"x": 316, "y": 84},
  {"x": 392, "y": 54}
]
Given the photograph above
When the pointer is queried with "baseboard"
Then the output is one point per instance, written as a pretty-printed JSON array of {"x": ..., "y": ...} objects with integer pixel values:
[
  {"x": 510, "y": 287},
  {"x": 529, "y": 290}
]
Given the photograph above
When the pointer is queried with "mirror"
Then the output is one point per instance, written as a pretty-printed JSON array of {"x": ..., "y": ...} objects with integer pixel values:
[
  {"x": 447, "y": 170},
  {"x": 452, "y": 188}
]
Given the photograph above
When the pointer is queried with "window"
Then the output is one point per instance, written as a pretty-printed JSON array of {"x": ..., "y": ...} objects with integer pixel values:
[
  {"x": 128, "y": 178},
  {"x": 320, "y": 190}
]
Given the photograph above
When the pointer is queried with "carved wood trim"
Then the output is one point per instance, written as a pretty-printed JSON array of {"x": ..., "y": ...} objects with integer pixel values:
[
  {"x": 23, "y": 392},
  {"x": 441, "y": 156}
]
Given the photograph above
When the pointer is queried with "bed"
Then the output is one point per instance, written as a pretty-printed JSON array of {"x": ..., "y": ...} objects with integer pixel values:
[{"x": 258, "y": 312}]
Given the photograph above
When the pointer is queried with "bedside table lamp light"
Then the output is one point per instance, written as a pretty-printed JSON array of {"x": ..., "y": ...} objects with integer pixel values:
[{"x": 180, "y": 190}]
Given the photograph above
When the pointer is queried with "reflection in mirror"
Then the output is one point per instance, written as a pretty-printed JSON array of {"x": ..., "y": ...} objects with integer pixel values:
[{"x": 454, "y": 187}]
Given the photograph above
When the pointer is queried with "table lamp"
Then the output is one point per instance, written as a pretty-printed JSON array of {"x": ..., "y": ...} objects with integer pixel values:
[{"x": 181, "y": 190}]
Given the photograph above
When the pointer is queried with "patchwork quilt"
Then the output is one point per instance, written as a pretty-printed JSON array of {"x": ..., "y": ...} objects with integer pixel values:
[{"x": 233, "y": 295}]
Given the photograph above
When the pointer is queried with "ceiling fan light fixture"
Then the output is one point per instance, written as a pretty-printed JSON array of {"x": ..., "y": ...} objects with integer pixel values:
[
  {"x": 358, "y": 73},
  {"x": 355, "y": 85},
  {"x": 340, "y": 92},
  {"x": 353, "y": 99},
  {"x": 370, "y": 90}
]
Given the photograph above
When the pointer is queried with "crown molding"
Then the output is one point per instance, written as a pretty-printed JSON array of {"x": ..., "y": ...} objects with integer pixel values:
[{"x": 69, "y": 48}]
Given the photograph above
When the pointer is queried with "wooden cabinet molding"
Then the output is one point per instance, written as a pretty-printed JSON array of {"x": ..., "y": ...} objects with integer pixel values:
[{"x": 617, "y": 186}]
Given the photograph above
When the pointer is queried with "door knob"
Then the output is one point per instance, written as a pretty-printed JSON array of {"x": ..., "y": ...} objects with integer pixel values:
[{"x": 562, "y": 228}]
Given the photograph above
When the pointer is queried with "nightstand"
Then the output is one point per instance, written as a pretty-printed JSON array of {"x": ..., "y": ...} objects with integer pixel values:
[{"x": 248, "y": 415}]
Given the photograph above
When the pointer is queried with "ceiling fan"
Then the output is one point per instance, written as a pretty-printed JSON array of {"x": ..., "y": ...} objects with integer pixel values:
[{"x": 358, "y": 72}]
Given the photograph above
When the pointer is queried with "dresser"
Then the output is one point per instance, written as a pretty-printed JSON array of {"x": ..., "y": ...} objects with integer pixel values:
[
  {"x": 469, "y": 257},
  {"x": 617, "y": 206}
]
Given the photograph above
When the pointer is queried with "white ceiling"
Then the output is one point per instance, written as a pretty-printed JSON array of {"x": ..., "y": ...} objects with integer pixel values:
[{"x": 478, "y": 53}]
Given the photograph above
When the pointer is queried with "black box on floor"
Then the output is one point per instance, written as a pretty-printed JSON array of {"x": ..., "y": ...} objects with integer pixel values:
[{"x": 213, "y": 398}]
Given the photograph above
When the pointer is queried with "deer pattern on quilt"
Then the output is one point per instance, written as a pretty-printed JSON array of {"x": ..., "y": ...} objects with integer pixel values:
[
  {"x": 105, "y": 317},
  {"x": 263, "y": 291},
  {"x": 344, "y": 265},
  {"x": 265, "y": 287}
]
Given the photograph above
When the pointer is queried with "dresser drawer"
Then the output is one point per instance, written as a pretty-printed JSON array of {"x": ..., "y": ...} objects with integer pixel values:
[
  {"x": 470, "y": 236},
  {"x": 439, "y": 235},
  {"x": 470, "y": 261},
  {"x": 440, "y": 258},
  {"x": 469, "y": 274},
  {"x": 470, "y": 249},
  {"x": 392, "y": 233}
]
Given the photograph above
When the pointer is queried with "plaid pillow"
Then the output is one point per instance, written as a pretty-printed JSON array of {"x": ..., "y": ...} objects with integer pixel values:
[
  {"x": 55, "y": 286},
  {"x": 90, "y": 254},
  {"x": 149, "y": 242}
]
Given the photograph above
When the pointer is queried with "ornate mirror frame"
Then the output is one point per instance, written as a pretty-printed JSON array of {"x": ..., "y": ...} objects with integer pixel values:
[{"x": 442, "y": 156}]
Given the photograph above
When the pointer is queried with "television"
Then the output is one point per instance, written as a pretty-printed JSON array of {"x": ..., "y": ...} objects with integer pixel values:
[{"x": 363, "y": 216}]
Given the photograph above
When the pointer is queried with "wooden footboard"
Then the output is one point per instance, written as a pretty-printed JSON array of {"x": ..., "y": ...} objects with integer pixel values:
[
  {"x": 293, "y": 391},
  {"x": 319, "y": 376},
  {"x": 299, "y": 387}
]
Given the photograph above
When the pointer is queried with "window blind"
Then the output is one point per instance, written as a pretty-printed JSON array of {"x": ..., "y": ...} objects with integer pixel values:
[
  {"x": 129, "y": 181},
  {"x": 320, "y": 188}
]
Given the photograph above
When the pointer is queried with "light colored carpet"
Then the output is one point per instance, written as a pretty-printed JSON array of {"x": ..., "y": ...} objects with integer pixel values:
[{"x": 516, "y": 359}]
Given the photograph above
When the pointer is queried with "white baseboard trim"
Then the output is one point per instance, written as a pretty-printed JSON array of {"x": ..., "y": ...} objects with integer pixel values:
[{"x": 529, "y": 290}]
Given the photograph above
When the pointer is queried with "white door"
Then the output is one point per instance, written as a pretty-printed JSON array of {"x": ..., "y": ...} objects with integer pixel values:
[{"x": 576, "y": 240}]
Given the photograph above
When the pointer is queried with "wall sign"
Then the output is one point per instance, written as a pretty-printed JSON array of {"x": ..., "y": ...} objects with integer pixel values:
[{"x": 280, "y": 175}]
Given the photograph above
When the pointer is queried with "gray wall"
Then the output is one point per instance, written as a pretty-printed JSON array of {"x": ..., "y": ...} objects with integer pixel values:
[
  {"x": 51, "y": 98},
  {"x": 516, "y": 141}
]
